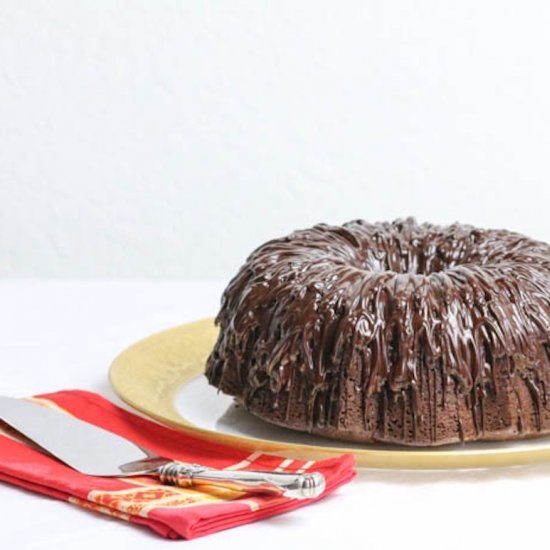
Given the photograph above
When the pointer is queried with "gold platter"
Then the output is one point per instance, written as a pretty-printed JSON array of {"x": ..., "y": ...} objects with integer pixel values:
[{"x": 149, "y": 374}]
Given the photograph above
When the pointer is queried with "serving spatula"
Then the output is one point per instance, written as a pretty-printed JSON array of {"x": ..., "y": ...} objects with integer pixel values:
[{"x": 97, "y": 452}]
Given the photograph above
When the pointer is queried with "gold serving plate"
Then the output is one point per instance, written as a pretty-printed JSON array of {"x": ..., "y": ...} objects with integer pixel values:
[{"x": 149, "y": 375}]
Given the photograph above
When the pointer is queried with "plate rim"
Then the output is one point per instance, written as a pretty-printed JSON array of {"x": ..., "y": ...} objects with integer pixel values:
[{"x": 153, "y": 392}]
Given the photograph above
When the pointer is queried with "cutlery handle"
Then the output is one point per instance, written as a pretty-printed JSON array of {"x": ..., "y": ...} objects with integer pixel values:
[{"x": 299, "y": 486}]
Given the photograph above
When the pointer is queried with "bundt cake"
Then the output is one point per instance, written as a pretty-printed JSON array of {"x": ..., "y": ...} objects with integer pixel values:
[{"x": 398, "y": 332}]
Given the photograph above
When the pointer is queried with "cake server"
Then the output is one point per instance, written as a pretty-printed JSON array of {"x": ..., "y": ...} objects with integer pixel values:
[{"x": 97, "y": 452}]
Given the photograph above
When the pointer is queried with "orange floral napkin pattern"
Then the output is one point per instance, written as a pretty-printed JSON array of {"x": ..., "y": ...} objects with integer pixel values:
[{"x": 172, "y": 512}]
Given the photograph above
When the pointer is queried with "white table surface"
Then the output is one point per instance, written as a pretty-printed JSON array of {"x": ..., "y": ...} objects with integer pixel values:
[{"x": 63, "y": 334}]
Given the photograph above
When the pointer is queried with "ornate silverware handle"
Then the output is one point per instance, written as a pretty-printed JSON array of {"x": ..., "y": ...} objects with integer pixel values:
[{"x": 298, "y": 486}]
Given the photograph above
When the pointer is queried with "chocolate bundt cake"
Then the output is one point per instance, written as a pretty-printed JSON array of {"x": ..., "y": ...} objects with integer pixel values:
[{"x": 391, "y": 332}]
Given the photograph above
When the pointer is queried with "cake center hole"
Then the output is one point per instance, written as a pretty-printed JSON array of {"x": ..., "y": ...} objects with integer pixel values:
[{"x": 414, "y": 257}]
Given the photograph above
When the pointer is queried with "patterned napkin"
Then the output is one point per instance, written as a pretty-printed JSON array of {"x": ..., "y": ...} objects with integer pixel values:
[{"x": 169, "y": 511}]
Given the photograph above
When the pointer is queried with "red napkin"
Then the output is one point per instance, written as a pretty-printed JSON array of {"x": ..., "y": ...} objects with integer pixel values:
[{"x": 169, "y": 511}]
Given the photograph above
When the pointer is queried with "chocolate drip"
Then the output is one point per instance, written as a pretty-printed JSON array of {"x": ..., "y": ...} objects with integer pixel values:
[{"x": 334, "y": 319}]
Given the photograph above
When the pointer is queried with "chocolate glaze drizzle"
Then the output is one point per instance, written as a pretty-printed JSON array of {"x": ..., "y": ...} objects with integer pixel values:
[{"x": 448, "y": 325}]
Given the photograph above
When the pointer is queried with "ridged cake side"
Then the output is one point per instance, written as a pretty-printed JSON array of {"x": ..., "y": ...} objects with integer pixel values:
[{"x": 393, "y": 332}]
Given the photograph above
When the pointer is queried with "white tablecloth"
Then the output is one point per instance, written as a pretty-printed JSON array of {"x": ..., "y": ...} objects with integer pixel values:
[{"x": 64, "y": 334}]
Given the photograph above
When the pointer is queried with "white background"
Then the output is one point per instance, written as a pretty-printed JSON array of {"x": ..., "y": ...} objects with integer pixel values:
[{"x": 170, "y": 138}]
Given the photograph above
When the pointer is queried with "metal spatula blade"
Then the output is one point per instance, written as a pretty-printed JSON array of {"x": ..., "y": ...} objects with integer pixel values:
[
  {"x": 95, "y": 451},
  {"x": 82, "y": 446}
]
